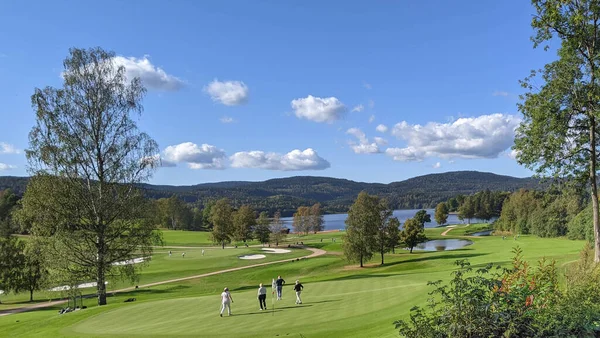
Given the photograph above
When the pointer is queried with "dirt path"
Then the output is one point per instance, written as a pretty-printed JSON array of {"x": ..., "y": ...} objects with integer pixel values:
[{"x": 315, "y": 253}]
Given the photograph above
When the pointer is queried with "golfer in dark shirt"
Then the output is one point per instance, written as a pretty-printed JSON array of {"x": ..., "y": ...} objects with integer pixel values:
[
  {"x": 298, "y": 288},
  {"x": 279, "y": 282}
]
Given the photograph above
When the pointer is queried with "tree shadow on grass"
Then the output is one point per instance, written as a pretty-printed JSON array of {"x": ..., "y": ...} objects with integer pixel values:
[
  {"x": 271, "y": 310},
  {"x": 427, "y": 257}
]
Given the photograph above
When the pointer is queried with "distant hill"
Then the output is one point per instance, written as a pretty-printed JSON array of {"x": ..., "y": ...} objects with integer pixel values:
[{"x": 336, "y": 195}]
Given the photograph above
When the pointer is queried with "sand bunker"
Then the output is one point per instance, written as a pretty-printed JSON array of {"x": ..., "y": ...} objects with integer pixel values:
[
  {"x": 130, "y": 261},
  {"x": 252, "y": 257},
  {"x": 276, "y": 251},
  {"x": 80, "y": 286}
]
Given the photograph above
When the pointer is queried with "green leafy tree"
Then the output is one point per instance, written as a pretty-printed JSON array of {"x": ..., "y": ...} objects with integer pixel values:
[
  {"x": 262, "y": 232},
  {"x": 34, "y": 275},
  {"x": 558, "y": 136},
  {"x": 422, "y": 217},
  {"x": 206, "y": 222},
  {"x": 278, "y": 230},
  {"x": 12, "y": 263},
  {"x": 244, "y": 221},
  {"x": 88, "y": 157},
  {"x": 412, "y": 234},
  {"x": 316, "y": 220},
  {"x": 467, "y": 209},
  {"x": 301, "y": 220},
  {"x": 393, "y": 234},
  {"x": 221, "y": 215},
  {"x": 8, "y": 203},
  {"x": 441, "y": 213},
  {"x": 361, "y": 228}
]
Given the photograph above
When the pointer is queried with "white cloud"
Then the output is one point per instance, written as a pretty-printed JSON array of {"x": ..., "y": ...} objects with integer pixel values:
[
  {"x": 500, "y": 93},
  {"x": 382, "y": 128},
  {"x": 295, "y": 160},
  {"x": 437, "y": 165},
  {"x": 364, "y": 146},
  {"x": 485, "y": 136},
  {"x": 380, "y": 141},
  {"x": 367, "y": 85},
  {"x": 372, "y": 118},
  {"x": 151, "y": 76},
  {"x": 371, "y": 104},
  {"x": 227, "y": 119},
  {"x": 318, "y": 109},
  {"x": 512, "y": 154},
  {"x": 4, "y": 166},
  {"x": 451, "y": 161},
  {"x": 358, "y": 108},
  {"x": 205, "y": 156},
  {"x": 6, "y": 148},
  {"x": 229, "y": 93},
  {"x": 408, "y": 154}
]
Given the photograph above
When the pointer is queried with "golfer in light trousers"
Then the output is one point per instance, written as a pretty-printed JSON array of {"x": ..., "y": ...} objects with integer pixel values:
[
  {"x": 226, "y": 301},
  {"x": 298, "y": 288}
]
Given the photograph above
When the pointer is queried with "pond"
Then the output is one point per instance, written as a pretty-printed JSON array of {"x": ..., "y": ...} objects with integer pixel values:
[
  {"x": 443, "y": 245},
  {"x": 482, "y": 233}
]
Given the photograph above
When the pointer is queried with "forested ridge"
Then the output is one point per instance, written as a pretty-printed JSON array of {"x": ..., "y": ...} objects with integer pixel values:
[{"x": 335, "y": 195}]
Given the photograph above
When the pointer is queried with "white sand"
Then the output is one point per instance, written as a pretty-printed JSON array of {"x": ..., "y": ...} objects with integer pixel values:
[
  {"x": 80, "y": 286},
  {"x": 252, "y": 257},
  {"x": 276, "y": 251},
  {"x": 131, "y": 261}
]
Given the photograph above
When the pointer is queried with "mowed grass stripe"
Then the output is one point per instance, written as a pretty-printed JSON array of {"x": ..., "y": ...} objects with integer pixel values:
[{"x": 340, "y": 304}]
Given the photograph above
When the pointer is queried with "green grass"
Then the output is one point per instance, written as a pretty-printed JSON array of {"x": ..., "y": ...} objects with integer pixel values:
[{"x": 340, "y": 300}]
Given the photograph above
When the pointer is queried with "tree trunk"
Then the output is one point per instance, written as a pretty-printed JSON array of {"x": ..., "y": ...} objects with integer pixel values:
[
  {"x": 101, "y": 287},
  {"x": 594, "y": 189},
  {"x": 31, "y": 295},
  {"x": 223, "y": 245},
  {"x": 382, "y": 257},
  {"x": 361, "y": 260},
  {"x": 411, "y": 248}
]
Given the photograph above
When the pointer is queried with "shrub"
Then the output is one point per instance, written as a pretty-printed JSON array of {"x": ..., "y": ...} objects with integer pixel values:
[{"x": 521, "y": 301}]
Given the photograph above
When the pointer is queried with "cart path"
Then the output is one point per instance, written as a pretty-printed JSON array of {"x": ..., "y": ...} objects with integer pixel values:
[{"x": 315, "y": 253}]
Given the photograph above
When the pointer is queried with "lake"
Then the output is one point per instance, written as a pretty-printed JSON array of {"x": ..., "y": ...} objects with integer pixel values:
[{"x": 336, "y": 221}]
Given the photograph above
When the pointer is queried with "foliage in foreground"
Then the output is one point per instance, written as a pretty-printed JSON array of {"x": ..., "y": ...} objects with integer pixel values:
[{"x": 522, "y": 301}]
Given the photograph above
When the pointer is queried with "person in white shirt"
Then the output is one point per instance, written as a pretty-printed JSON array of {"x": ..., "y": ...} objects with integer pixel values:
[
  {"x": 262, "y": 297},
  {"x": 226, "y": 301},
  {"x": 202, "y": 252}
]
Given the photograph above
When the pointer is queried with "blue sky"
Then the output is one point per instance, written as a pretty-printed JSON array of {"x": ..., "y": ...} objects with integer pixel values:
[{"x": 374, "y": 91}]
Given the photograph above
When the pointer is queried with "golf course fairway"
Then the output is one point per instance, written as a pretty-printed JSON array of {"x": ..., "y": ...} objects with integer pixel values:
[{"x": 339, "y": 299}]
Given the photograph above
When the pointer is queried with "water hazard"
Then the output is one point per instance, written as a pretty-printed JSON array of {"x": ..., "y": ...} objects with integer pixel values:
[{"x": 443, "y": 244}]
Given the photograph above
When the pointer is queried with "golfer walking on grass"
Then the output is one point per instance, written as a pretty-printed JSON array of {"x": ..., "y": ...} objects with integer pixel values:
[
  {"x": 298, "y": 288},
  {"x": 226, "y": 301},
  {"x": 262, "y": 296},
  {"x": 279, "y": 282}
]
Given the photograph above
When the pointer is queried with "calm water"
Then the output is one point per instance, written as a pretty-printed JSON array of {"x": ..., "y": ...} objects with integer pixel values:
[
  {"x": 443, "y": 245},
  {"x": 336, "y": 221}
]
